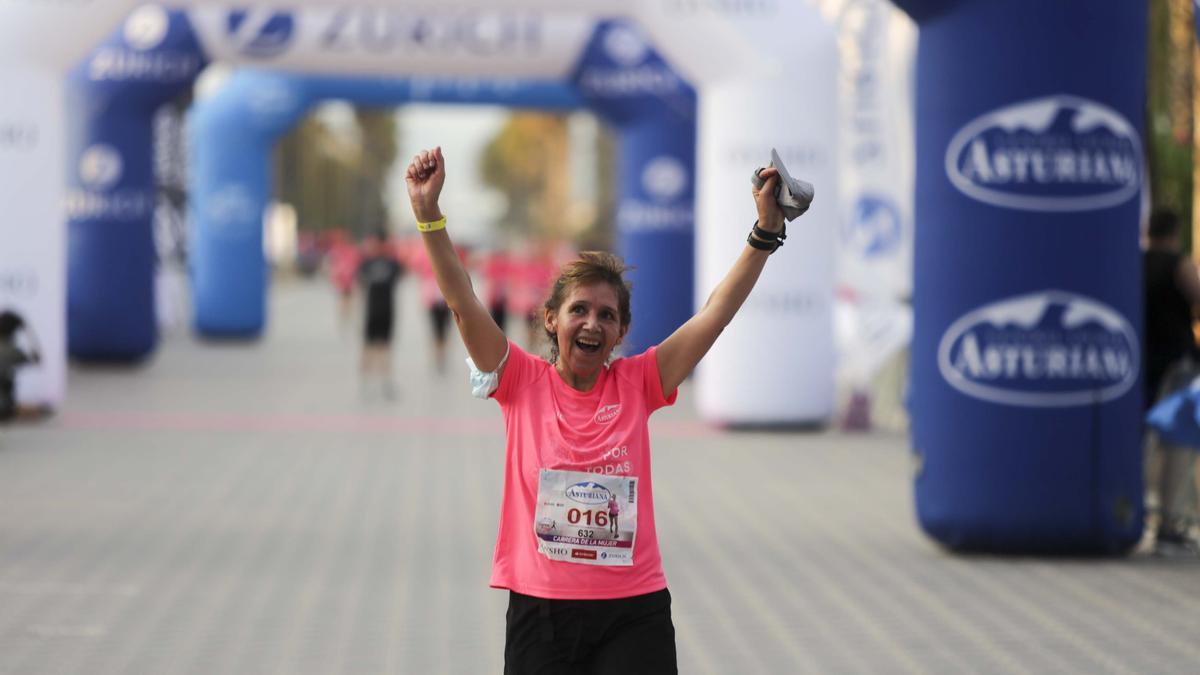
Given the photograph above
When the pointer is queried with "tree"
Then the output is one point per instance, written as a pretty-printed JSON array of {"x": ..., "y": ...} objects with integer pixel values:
[
  {"x": 338, "y": 180},
  {"x": 1169, "y": 131},
  {"x": 527, "y": 161}
]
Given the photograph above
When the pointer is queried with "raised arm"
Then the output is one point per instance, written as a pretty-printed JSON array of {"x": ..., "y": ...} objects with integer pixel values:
[
  {"x": 679, "y": 353},
  {"x": 484, "y": 340}
]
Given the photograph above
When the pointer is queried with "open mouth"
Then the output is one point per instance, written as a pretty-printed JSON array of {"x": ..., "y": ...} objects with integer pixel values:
[{"x": 587, "y": 345}]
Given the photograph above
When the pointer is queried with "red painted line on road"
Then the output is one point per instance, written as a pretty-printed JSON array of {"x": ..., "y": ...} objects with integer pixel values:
[{"x": 302, "y": 423}]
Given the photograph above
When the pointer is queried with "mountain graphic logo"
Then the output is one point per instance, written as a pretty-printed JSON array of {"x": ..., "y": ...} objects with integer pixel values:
[
  {"x": 1052, "y": 348},
  {"x": 1057, "y": 153},
  {"x": 589, "y": 493}
]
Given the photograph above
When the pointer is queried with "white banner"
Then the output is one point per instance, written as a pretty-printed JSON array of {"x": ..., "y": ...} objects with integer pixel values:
[
  {"x": 39, "y": 43},
  {"x": 32, "y": 231},
  {"x": 775, "y": 363},
  {"x": 58, "y": 33},
  {"x": 877, "y": 45},
  {"x": 397, "y": 40}
]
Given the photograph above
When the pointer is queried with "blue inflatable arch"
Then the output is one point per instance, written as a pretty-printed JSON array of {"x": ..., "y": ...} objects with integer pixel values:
[
  {"x": 231, "y": 137},
  {"x": 111, "y": 190},
  {"x": 233, "y": 133}
]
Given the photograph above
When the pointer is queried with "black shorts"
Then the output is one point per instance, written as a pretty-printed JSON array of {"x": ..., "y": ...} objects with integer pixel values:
[
  {"x": 439, "y": 314},
  {"x": 627, "y": 636},
  {"x": 378, "y": 329}
]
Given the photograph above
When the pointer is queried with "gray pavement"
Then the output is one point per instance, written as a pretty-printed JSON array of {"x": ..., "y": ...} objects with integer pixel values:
[{"x": 246, "y": 508}]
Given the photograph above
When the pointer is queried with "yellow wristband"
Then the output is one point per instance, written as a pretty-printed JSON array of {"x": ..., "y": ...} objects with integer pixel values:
[{"x": 439, "y": 224}]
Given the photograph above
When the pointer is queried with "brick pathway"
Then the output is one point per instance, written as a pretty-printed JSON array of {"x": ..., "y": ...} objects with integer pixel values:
[{"x": 246, "y": 509}]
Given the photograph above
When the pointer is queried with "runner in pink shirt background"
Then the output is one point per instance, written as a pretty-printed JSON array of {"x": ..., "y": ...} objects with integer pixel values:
[
  {"x": 577, "y": 440},
  {"x": 432, "y": 300}
]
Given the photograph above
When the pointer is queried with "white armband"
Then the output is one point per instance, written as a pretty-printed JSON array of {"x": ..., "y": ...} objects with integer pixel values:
[{"x": 483, "y": 384}]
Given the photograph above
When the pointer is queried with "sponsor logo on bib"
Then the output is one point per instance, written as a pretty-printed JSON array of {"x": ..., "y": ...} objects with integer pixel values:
[
  {"x": 589, "y": 493},
  {"x": 1046, "y": 349},
  {"x": 1057, "y": 153}
]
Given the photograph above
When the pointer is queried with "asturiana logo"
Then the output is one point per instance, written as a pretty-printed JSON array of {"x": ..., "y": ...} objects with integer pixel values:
[
  {"x": 1047, "y": 349},
  {"x": 1057, "y": 153},
  {"x": 589, "y": 493},
  {"x": 607, "y": 413}
]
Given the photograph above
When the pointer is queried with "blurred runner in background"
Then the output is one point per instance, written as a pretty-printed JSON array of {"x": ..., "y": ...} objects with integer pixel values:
[
  {"x": 378, "y": 273},
  {"x": 431, "y": 298},
  {"x": 343, "y": 268}
]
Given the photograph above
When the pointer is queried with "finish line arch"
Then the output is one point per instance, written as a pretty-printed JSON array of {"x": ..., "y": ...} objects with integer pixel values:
[
  {"x": 750, "y": 98},
  {"x": 234, "y": 131}
]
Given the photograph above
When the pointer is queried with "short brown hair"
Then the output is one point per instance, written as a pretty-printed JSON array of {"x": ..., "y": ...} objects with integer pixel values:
[{"x": 590, "y": 268}]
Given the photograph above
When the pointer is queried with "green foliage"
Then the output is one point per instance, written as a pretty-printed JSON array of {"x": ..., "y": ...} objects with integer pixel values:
[
  {"x": 335, "y": 182},
  {"x": 1169, "y": 113},
  {"x": 529, "y": 162}
]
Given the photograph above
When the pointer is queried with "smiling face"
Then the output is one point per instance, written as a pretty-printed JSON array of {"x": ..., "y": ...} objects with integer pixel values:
[{"x": 587, "y": 327}]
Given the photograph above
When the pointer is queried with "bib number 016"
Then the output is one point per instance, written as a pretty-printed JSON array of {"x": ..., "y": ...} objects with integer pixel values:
[{"x": 588, "y": 517}]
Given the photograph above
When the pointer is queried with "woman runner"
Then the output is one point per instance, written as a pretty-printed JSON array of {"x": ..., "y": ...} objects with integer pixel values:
[{"x": 576, "y": 436}]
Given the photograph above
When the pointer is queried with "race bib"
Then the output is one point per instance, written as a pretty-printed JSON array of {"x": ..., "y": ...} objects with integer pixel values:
[{"x": 586, "y": 518}]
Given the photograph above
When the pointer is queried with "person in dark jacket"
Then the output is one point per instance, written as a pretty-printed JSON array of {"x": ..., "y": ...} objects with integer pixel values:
[
  {"x": 13, "y": 357},
  {"x": 1171, "y": 283}
]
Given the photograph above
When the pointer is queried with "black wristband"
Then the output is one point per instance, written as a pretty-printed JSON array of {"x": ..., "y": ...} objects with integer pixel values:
[
  {"x": 764, "y": 240},
  {"x": 770, "y": 236},
  {"x": 755, "y": 242}
]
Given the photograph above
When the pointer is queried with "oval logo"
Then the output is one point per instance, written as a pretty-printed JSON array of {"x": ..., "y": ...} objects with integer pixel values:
[
  {"x": 625, "y": 46},
  {"x": 873, "y": 229},
  {"x": 664, "y": 178},
  {"x": 147, "y": 27},
  {"x": 100, "y": 167},
  {"x": 1058, "y": 153},
  {"x": 607, "y": 413},
  {"x": 1047, "y": 349},
  {"x": 589, "y": 493}
]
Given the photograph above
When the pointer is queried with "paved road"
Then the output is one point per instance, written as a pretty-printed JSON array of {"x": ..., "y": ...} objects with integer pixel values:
[{"x": 247, "y": 509}]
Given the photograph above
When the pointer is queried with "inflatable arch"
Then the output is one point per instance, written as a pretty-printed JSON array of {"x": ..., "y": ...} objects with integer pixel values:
[
  {"x": 234, "y": 131},
  {"x": 111, "y": 200},
  {"x": 750, "y": 98}
]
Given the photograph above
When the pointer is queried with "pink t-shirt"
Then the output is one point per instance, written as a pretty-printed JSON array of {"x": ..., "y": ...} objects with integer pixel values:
[{"x": 550, "y": 425}]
